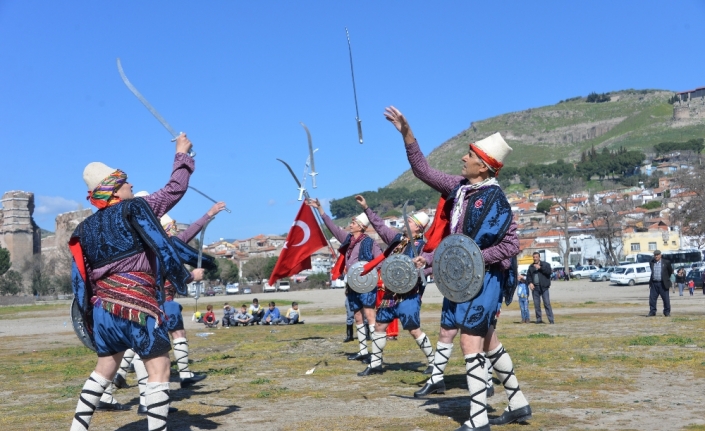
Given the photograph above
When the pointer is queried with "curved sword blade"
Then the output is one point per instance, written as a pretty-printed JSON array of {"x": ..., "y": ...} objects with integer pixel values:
[
  {"x": 206, "y": 196},
  {"x": 352, "y": 72},
  {"x": 302, "y": 189},
  {"x": 313, "y": 172},
  {"x": 410, "y": 235}
]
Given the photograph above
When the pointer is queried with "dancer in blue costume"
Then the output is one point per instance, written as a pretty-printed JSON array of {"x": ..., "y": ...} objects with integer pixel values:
[{"x": 474, "y": 205}]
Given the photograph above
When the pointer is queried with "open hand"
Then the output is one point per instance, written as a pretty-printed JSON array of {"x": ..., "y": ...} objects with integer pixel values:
[
  {"x": 361, "y": 200},
  {"x": 394, "y": 116},
  {"x": 215, "y": 209}
]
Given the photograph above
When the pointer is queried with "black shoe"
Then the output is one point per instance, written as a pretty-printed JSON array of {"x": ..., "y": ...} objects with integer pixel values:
[
  {"x": 190, "y": 381},
  {"x": 120, "y": 382},
  {"x": 522, "y": 414},
  {"x": 107, "y": 407},
  {"x": 551, "y": 323},
  {"x": 349, "y": 332},
  {"x": 431, "y": 388},
  {"x": 466, "y": 427},
  {"x": 142, "y": 410},
  {"x": 371, "y": 370},
  {"x": 490, "y": 391},
  {"x": 358, "y": 357},
  {"x": 428, "y": 370},
  {"x": 539, "y": 322},
  {"x": 667, "y": 315},
  {"x": 651, "y": 315}
]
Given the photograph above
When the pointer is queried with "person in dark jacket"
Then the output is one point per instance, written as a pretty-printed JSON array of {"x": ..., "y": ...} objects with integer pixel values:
[
  {"x": 660, "y": 283},
  {"x": 539, "y": 278}
]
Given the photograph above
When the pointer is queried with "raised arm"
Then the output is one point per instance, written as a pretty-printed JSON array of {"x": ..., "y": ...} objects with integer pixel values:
[
  {"x": 439, "y": 181},
  {"x": 339, "y": 233},
  {"x": 164, "y": 199},
  {"x": 385, "y": 232},
  {"x": 196, "y": 226}
]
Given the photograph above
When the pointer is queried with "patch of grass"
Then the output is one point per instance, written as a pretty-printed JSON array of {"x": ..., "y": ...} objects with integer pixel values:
[
  {"x": 227, "y": 371},
  {"x": 589, "y": 302},
  {"x": 540, "y": 335},
  {"x": 644, "y": 340},
  {"x": 271, "y": 392},
  {"x": 259, "y": 381},
  {"x": 678, "y": 340}
]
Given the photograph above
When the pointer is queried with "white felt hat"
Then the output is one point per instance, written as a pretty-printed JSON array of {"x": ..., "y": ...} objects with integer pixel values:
[
  {"x": 141, "y": 194},
  {"x": 493, "y": 150},
  {"x": 95, "y": 173},
  {"x": 421, "y": 218},
  {"x": 362, "y": 220},
  {"x": 165, "y": 220}
]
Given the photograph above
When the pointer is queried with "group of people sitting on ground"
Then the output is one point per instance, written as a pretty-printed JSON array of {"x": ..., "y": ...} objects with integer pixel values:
[{"x": 252, "y": 315}]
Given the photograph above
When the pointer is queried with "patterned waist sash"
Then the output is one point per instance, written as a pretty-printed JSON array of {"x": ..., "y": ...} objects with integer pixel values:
[
  {"x": 391, "y": 299},
  {"x": 129, "y": 295}
]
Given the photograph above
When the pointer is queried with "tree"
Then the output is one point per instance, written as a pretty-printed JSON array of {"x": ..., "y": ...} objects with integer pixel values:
[
  {"x": 212, "y": 274},
  {"x": 254, "y": 269},
  {"x": 229, "y": 272},
  {"x": 608, "y": 228},
  {"x": 689, "y": 208},
  {"x": 40, "y": 271},
  {"x": 544, "y": 206},
  {"x": 11, "y": 283},
  {"x": 561, "y": 188},
  {"x": 4, "y": 260},
  {"x": 269, "y": 267}
]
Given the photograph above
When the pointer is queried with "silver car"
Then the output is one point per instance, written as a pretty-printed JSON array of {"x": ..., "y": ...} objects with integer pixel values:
[{"x": 602, "y": 274}]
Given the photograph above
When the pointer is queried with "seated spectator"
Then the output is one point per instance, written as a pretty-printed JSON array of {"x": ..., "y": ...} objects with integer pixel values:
[
  {"x": 209, "y": 317},
  {"x": 256, "y": 311},
  {"x": 272, "y": 316},
  {"x": 228, "y": 315},
  {"x": 293, "y": 315},
  {"x": 243, "y": 318}
]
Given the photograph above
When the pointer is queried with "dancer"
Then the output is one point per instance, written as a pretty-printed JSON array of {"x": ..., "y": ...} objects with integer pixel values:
[
  {"x": 473, "y": 205},
  {"x": 121, "y": 258},
  {"x": 355, "y": 246},
  {"x": 406, "y": 307}
]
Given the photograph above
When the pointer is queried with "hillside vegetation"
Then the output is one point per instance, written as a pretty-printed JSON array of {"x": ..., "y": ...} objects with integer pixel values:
[{"x": 631, "y": 119}]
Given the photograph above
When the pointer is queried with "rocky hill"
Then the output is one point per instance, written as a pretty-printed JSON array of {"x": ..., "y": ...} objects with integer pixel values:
[{"x": 634, "y": 119}]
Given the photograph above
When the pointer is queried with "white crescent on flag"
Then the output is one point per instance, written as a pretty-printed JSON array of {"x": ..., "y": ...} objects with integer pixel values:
[{"x": 307, "y": 232}]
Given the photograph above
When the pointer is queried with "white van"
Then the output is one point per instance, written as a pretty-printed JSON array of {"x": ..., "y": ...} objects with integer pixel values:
[
  {"x": 283, "y": 286},
  {"x": 631, "y": 274}
]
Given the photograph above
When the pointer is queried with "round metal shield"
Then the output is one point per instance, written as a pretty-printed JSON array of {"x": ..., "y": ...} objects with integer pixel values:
[
  {"x": 361, "y": 283},
  {"x": 399, "y": 273},
  {"x": 79, "y": 326},
  {"x": 458, "y": 268}
]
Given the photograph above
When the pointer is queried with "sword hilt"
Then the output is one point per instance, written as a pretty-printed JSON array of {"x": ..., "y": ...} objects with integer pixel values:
[
  {"x": 359, "y": 129},
  {"x": 191, "y": 153}
]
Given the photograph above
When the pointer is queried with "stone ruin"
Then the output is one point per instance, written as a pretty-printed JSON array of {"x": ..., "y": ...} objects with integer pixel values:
[{"x": 18, "y": 231}]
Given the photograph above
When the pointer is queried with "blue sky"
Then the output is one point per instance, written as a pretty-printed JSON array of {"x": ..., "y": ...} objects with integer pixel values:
[{"x": 238, "y": 76}]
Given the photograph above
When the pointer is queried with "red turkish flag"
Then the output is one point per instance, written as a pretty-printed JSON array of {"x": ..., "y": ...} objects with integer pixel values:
[{"x": 304, "y": 239}]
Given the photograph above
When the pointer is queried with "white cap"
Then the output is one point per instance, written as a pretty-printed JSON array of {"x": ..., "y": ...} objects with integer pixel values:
[
  {"x": 495, "y": 150},
  {"x": 362, "y": 220},
  {"x": 165, "y": 220},
  {"x": 422, "y": 219},
  {"x": 95, "y": 173},
  {"x": 141, "y": 194}
]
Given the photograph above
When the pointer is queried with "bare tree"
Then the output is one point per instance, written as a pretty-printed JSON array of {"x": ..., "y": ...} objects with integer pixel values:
[
  {"x": 608, "y": 228},
  {"x": 255, "y": 268},
  {"x": 562, "y": 188}
]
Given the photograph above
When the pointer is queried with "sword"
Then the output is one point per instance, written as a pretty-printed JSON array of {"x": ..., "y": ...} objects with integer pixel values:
[
  {"x": 147, "y": 105},
  {"x": 411, "y": 241},
  {"x": 315, "y": 213},
  {"x": 352, "y": 72},
  {"x": 313, "y": 172},
  {"x": 207, "y": 197},
  {"x": 199, "y": 284}
]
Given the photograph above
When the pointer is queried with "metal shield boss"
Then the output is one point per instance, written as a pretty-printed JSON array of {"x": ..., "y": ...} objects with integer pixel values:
[
  {"x": 458, "y": 268},
  {"x": 79, "y": 326},
  {"x": 399, "y": 273},
  {"x": 361, "y": 283}
]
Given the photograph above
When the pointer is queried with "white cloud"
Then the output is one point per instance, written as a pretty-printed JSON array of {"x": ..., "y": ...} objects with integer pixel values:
[
  {"x": 271, "y": 202},
  {"x": 53, "y": 205}
]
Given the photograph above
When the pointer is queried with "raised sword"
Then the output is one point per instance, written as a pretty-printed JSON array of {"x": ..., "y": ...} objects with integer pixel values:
[
  {"x": 313, "y": 172},
  {"x": 207, "y": 197},
  {"x": 352, "y": 72},
  {"x": 411, "y": 241}
]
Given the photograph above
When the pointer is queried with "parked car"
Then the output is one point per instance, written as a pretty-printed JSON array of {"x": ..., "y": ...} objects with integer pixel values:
[
  {"x": 603, "y": 274},
  {"x": 284, "y": 286},
  {"x": 583, "y": 271},
  {"x": 246, "y": 290},
  {"x": 266, "y": 287},
  {"x": 631, "y": 274},
  {"x": 218, "y": 289},
  {"x": 232, "y": 289},
  {"x": 209, "y": 292},
  {"x": 696, "y": 276}
]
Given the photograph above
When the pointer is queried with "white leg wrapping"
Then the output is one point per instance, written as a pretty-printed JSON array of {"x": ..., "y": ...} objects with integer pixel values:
[
  {"x": 107, "y": 396},
  {"x": 490, "y": 369},
  {"x": 443, "y": 352},
  {"x": 142, "y": 377},
  {"x": 157, "y": 397},
  {"x": 476, "y": 374},
  {"x": 379, "y": 341},
  {"x": 362, "y": 338},
  {"x": 503, "y": 366},
  {"x": 87, "y": 401},
  {"x": 125, "y": 363},
  {"x": 181, "y": 354},
  {"x": 425, "y": 345}
]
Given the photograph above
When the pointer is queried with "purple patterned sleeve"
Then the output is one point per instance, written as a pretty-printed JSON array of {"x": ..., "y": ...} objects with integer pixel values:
[
  {"x": 385, "y": 232},
  {"x": 439, "y": 181},
  {"x": 506, "y": 249},
  {"x": 164, "y": 199},
  {"x": 339, "y": 233},
  {"x": 193, "y": 229}
]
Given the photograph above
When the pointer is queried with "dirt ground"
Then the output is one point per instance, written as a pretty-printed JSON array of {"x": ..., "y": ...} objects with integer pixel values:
[{"x": 604, "y": 365}]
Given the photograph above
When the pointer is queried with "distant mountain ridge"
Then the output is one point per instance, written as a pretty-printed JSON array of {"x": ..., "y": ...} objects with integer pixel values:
[{"x": 634, "y": 119}]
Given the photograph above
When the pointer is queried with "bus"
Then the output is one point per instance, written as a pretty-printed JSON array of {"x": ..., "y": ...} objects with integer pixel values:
[{"x": 676, "y": 257}]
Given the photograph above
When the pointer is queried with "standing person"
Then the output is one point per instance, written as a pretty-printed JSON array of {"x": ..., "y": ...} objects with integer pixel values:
[
  {"x": 355, "y": 246},
  {"x": 406, "y": 307},
  {"x": 121, "y": 258},
  {"x": 660, "y": 283},
  {"x": 349, "y": 322},
  {"x": 539, "y": 277},
  {"x": 680, "y": 281},
  {"x": 523, "y": 295},
  {"x": 474, "y": 206}
]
